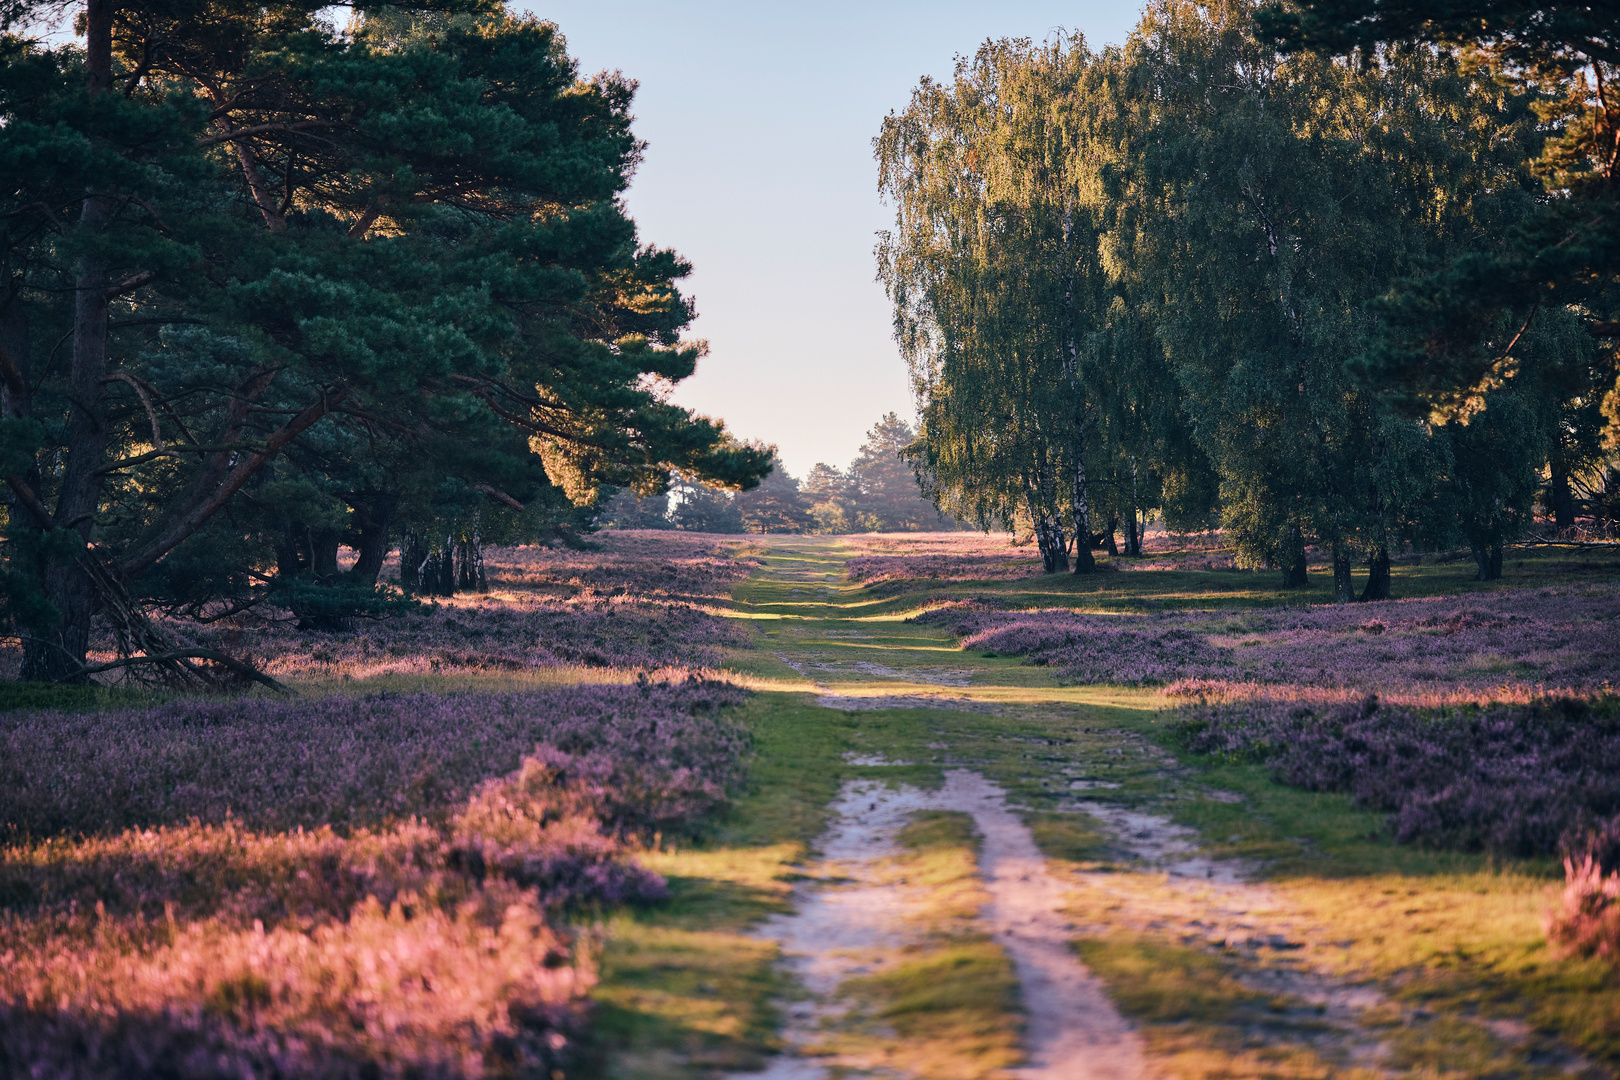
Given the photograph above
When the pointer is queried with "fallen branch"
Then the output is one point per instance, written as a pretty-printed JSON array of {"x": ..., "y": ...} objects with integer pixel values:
[
  {"x": 1538, "y": 541},
  {"x": 178, "y": 656}
]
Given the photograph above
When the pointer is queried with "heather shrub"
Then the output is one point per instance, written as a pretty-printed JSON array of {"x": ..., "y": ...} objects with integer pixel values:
[
  {"x": 1547, "y": 638},
  {"x": 524, "y": 633},
  {"x": 632, "y": 600},
  {"x": 347, "y": 762},
  {"x": 484, "y": 988},
  {"x": 1586, "y": 921},
  {"x": 1594, "y": 841},
  {"x": 397, "y": 945},
  {"x": 1095, "y": 649},
  {"x": 1510, "y": 779},
  {"x": 649, "y": 563},
  {"x": 299, "y": 878},
  {"x": 889, "y": 574},
  {"x": 543, "y": 828}
]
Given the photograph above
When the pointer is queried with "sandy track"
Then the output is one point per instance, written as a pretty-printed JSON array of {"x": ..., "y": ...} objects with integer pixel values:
[{"x": 1073, "y": 1032}]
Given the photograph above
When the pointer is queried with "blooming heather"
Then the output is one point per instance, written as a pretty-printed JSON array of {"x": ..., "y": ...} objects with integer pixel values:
[
  {"x": 349, "y": 761},
  {"x": 891, "y": 574},
  {"x": 892, "y": 562},
  {"x": 416, "y": 939},
  {"x": 1562, "y": 638},
  {"x": 633, "y": 600},
  {"x": 482, "y": 989},
  {"x": 1587, "y": 920},
  {"x": 1511, "y": 779}
]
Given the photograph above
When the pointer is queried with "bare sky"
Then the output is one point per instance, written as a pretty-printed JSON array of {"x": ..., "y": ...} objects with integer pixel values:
[{"x": 759, "y": 119}]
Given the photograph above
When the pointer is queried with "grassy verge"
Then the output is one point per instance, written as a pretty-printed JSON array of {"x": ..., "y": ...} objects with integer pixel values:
[{"x": 686, "y": 991}]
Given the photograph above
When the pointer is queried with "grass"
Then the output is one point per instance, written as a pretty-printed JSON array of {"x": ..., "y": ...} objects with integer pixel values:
[
  {"x": 685, "y": 990},
  {"x": 16, "y": 696}
]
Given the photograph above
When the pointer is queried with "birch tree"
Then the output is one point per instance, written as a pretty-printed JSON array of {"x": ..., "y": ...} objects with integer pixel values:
[{"x": 992, "y": 269}]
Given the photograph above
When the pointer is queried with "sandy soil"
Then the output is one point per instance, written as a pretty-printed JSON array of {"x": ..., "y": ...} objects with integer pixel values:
[{"x": 1073, "y": 1032}]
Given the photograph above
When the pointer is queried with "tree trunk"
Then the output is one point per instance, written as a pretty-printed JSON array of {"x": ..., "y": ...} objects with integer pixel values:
[
  {"x": 428, "y": 575},
  {"x": 447, "y": 568},
  {"x": 1050, "y": 542},
  {"x": 1562, "y": 497},
  {"x": 58, "y": 652},
  {"x": 470, "y": 571},
  {"x": 323, "y": 554},
  {"x": 16, "y": 404},
  {"x": 1080, "y": 503},
  {"x": 1133, "y": 538},
  {"x": 413, "y": 555},
  {"x": 1295, "y": 572},
  {"x": 373, "y": 517},
  {"x": 291, "y": 558},
  {"x": 1108, "y": 537},
  {"x": 1048, "y": 530},
  {"x": 1344, "y": 589},
  {"x": 1377, "y": 576},
  {"x": 1488, "y": 558}
]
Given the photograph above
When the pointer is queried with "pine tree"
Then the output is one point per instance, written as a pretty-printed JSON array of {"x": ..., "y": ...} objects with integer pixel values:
[
  {"x": 885, "y": 494},
  {"x": 776, "y": 505},
  {"x": 307, "y": 255}
]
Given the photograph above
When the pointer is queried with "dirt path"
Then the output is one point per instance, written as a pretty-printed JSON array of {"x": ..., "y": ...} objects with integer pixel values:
[
  {"x": 1073, "y": 1031},
  {"x": 840, "y": 920}
]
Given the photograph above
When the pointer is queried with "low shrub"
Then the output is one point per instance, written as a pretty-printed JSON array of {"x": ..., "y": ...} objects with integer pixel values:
[
  {"x": 1511, "y": 779},
  {"x": 346, "y": 762},
  {"x": 482, "y": 989},
  {"x": 1587, "y": 920},
  {"x": 272, "y": 943},
  {"x": 1548, "y": 638}
]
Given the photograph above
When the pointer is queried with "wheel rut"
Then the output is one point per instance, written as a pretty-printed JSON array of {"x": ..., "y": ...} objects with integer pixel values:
[{"x": 1073, "y": 1032}]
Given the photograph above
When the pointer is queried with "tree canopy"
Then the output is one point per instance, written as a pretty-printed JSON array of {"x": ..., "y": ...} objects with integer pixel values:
[
  {"x": 1458, "y": 328},
  {"x": 271, "y": 283},
  {"x": 1174, "y": 275}
]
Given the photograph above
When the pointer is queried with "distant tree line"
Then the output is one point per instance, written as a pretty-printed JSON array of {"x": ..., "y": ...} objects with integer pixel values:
[
  {"x": 1360, "y": 302},
  {"x": 270, "y": 287},
  {"x": 880, "y": 491}
]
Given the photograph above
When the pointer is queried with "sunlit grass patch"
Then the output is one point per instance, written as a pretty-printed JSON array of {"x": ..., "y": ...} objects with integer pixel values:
[
  {"x": 952, "y": 1008},
  {"x": 722, "y": 888},
  {"x": 1158, "y": 983},
  {"x": 1207, "y": 1013},
  {"x": 1075, "y": 838},
  {"x": 1468, "y": 945},
  {"x": 675, "y": 1001},
  {"x": 942, "y": 850}
]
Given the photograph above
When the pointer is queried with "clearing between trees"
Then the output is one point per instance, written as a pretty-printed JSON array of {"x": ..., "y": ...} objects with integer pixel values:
[{"x": 703, "y": 806}]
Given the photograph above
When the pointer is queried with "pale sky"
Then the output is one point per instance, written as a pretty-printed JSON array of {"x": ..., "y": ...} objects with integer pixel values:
[{"x": 759, "y": 119}]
